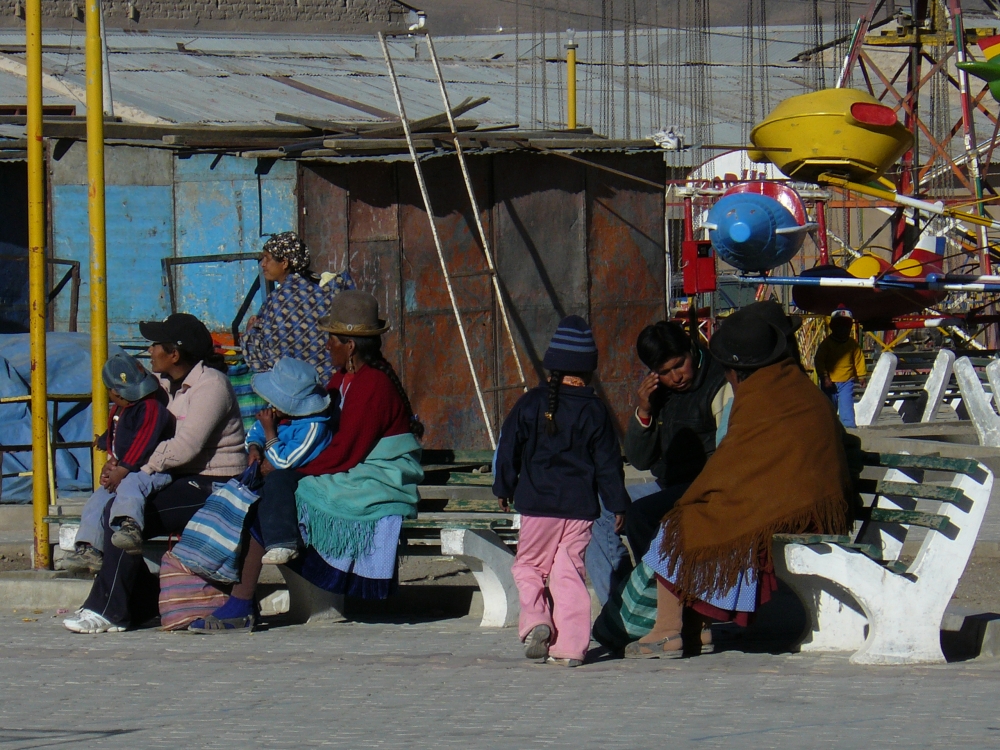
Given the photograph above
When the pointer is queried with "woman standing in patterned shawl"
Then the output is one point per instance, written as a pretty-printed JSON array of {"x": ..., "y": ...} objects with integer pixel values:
[{"x": 286, "y": 323}]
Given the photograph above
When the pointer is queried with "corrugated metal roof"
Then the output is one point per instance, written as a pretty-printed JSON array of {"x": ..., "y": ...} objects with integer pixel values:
[{"x": 187, "y": 77}]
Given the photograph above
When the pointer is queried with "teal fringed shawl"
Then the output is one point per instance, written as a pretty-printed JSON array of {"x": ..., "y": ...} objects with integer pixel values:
[{"x": 338, "y": 512}]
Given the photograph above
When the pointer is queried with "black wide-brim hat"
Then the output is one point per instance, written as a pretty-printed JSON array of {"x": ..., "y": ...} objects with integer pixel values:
[
  {"x": 772, "y": 312},
  {"x": 747, "y": 341}
]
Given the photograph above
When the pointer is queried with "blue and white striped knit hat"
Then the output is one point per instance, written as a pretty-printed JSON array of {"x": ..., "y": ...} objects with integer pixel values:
[{"x": 572, "y": 348}]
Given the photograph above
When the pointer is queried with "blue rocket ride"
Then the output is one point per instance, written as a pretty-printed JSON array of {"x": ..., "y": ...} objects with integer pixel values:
[{"x": 753, "y": 232}]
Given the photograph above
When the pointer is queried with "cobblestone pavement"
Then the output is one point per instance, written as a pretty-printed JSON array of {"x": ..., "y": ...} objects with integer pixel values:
[{"x": 451, "y": 684}]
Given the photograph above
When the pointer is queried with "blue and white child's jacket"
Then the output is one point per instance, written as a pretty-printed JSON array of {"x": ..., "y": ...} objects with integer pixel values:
[{"x": 299, "y": 440}]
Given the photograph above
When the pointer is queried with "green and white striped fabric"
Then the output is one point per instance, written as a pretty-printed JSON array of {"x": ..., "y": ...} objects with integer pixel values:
[{"x": 630, "y": 611}]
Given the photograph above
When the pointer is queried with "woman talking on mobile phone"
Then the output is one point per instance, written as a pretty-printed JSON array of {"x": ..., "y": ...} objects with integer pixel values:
[{"x": 673, "y": 430}]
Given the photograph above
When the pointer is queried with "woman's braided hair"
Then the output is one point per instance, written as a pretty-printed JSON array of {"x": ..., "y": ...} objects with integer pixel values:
[
  {"x": 555, "y": 380},
  {"x": 369, "y": 350}
]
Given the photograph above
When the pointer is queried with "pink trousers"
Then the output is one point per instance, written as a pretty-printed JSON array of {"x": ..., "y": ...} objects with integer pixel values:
[{"x": 549, "y": 573}]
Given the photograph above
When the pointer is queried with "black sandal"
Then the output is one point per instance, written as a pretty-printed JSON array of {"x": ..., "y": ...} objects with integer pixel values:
[{"x": 213, "y": 625}]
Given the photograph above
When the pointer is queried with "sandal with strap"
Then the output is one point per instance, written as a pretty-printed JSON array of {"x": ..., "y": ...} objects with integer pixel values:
[
  {"x": 655, "y": 650},
  {"x": 213, "y": 625}
]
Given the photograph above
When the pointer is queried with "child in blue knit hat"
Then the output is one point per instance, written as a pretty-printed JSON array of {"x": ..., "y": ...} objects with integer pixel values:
[{"x": 557, "y": 452}]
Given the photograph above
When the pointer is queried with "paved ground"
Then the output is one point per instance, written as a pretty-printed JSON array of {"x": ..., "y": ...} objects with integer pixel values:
[{"x": 450, "y": 684}]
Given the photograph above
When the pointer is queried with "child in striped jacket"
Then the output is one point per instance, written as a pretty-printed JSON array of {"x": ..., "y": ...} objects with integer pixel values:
[{"x": 137, "y": 423}]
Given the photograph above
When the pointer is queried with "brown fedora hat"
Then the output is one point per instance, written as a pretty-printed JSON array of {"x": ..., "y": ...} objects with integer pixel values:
[{"x": 353, "y": 313}]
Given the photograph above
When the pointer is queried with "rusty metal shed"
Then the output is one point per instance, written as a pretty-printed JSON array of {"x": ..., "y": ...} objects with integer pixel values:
[{"x": 567, "y": 237}]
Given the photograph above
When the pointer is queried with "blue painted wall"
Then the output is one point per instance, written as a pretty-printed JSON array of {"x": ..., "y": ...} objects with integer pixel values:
[
  {"x": 139, "y": 232},
  {"x": 221, "y": 207},
  {"x": 211, "y": 205}
]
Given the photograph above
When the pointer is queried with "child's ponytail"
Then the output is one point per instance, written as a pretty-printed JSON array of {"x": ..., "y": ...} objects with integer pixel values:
[{"x": 555, "y": 380}]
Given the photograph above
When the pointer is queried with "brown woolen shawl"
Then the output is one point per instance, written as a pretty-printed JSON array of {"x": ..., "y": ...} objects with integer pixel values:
[{"x": 781, "y": 468}]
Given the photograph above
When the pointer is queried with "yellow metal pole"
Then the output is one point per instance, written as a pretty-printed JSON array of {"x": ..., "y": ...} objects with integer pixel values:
[
  {"x": 98, "y": 246},
  {"x": 36, "y": 271},
  {"x": 906, "y": 200},
  {"x": 571, "y": 46}
]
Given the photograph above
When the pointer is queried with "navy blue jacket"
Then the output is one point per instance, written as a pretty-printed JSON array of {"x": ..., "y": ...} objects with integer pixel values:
[
  {"x": 561, "y": 475},
  {"x": 137, "y": 429}
]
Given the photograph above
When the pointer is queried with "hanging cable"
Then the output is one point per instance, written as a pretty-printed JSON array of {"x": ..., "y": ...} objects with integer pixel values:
[{"x": 517, "y": 60}]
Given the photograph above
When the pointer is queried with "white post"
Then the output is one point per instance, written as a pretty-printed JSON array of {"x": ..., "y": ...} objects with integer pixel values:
[{"x": 870, "y": 406}]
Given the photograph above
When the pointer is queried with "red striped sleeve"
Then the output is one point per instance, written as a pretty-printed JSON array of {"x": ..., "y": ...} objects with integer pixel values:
[{"x": 143, "y": 436}]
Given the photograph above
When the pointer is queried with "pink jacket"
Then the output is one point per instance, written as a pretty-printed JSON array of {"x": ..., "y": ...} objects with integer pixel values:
[{"x": 209, "y": 435}]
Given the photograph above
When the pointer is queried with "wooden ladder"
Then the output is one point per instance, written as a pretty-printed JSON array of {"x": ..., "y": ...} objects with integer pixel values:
[{"x": 487, "y": 251}]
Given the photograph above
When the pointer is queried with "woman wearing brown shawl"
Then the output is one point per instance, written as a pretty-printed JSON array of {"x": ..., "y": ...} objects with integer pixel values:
[{"x": 781, "y": 468}]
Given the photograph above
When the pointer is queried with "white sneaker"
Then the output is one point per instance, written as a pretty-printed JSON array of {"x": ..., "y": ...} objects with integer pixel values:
[
  {"x": 279, "y": 555},
  {"x": 88, "y": 621}
]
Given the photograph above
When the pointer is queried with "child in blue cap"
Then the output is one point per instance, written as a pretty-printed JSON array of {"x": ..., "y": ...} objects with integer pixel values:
[
  {"x": 137, "y": 423},
  {"x": 289, "y": 433}
]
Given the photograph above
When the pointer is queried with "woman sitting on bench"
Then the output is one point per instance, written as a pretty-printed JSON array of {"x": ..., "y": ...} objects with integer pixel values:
[
  {"x": 206, "y": 448},
  {"x": 780, "y": 468},
  {"x": 343, "y": 510}
]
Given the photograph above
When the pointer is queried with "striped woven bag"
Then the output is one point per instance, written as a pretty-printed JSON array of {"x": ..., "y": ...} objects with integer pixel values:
[
  {"x": 184, "y": 595},
  {"x": 213, "y": 539},
  {"x": 630, "y": 611}
]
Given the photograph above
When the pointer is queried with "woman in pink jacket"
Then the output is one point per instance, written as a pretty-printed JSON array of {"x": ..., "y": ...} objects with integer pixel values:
[{"x": 207, "y": 447}]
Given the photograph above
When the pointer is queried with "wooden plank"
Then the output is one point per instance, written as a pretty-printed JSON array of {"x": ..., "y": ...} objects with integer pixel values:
[
  {"x": 390, "y": 145},
  {"x": 325, "y": 126},
  {"x": 874, "y": 551},
  {"x": 330, "y": 97},
  {"x": 937, "y": 463},
  {"x": 457, "y": 457},
  {"x": 426, "y": 123},
  {"x": 212, "y": 140},
  {"x": 136, "y": 131},
  {"x": 812, "y": 539},
  {"x": 443, "y": 492},
  {"x": 953, "y": 495},
  {"x": 906, "y": 517},
  {"x": 421, "y": 523},
  {"x": 468, "y": 478},
  {"x": 478, "y": 505}
]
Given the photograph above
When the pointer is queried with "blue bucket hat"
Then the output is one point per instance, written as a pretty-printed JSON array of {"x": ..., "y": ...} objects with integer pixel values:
[
  {"x": 292, "y": 387},
  {"x": 126, "y": 376},
  {"x": 572, "y": 348}
]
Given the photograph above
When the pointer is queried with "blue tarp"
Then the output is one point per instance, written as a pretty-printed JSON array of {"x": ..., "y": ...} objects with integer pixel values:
[{"x": 68, "y": 372}]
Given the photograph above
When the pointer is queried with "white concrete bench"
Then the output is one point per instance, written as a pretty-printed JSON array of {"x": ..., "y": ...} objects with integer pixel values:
[
  {"x": 977, "y": 403},
  {"x": 489, "y": 559},
  {"x": 879, "y": 390},
  {"x": 859, "y": 595}
]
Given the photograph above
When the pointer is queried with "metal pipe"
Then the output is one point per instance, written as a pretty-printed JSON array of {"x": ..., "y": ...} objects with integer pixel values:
[
  {"x": 37, "y": 309},
  {"x": 822, "y": 241},
  {"x": 688, "y": 218},
  {"x": 98, "y": 238},
  {"x": 968, "y": 127},
  {"x": 434, "y": 233},
  {"x": 571, "y": 47},
  {"x": 885, "y": 282},
  {"x": 905, "y": 200},
  {"x": 668, "y": 271},
  {"x": 487, "y": 250},
  {"x": 107, "y": 101},
  {"x": 857, "y": 39}
]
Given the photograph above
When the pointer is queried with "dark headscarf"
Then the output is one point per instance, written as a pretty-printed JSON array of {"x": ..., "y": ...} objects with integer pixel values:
[{"x": 288, "y": 246}]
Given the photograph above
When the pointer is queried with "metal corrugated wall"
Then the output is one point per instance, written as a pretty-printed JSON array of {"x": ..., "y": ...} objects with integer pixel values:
[{"x": 568, "y": 239}]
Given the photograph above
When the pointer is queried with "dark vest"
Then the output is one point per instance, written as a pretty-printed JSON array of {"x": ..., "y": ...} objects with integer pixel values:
[{"x": 686, "y": 425}]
